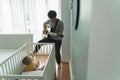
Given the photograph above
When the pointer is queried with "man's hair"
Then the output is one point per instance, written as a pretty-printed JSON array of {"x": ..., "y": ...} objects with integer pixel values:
[{"x": 52, "y": 14}]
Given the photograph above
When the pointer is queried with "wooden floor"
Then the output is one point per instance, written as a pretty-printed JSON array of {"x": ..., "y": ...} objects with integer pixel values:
[
  {"x": 62, "y": 73},
  {"x": 41, "y": 59}
]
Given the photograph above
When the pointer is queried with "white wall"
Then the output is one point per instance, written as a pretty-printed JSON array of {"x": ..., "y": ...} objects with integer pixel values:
[
  {"x": 65, "y": 15},
  {"x": 104, "y": 55},
  {"x": 80, "y": 41},
  {"x": 14, "y": 41}
]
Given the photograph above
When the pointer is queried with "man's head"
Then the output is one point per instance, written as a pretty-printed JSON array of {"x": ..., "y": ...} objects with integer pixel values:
[{"x": 52, "y": 15}]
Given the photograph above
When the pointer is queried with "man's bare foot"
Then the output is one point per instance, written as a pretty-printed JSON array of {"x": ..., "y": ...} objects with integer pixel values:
[
  {"x": 59, "y": 66},
  {"x": 34, "y": 54}
]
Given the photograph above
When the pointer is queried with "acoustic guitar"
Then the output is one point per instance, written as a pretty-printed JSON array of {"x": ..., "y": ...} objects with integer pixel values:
[{"x": 47, "y": 31}]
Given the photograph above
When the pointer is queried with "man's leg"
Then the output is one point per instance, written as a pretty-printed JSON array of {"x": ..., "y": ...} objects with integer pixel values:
[
  {"x": 57, "y": 51},
  {"x": 37, "y": 47}
]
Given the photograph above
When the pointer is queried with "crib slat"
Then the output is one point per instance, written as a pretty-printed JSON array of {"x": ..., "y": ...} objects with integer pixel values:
[
  {"x": 49, "y": 49},
  {"x": 13, "y": 65},
  {"x": 18, "y": 56},
  {"x": 3, "y": 72},
  {"x": 18, "y": 59},
  {"x": 8, "y": 66},
  {"x": 46, "y": 50},
  {"x": 42, "y": 50},
  {"x": 16, "y": 64}
]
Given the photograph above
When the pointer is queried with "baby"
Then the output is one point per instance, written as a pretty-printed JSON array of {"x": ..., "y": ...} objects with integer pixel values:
[{"x": 30, "y": 65}]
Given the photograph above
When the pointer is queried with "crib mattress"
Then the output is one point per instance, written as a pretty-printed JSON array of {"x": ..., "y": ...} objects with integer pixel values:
[
  {"x": 5, "y": 53},
  {"x": 37, "y": 72}
]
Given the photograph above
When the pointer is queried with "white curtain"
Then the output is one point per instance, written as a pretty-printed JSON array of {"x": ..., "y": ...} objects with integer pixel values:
[{"x": 26, "y": 16}]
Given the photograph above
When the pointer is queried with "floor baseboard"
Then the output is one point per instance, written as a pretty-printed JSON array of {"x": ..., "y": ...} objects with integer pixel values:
[
  {"x": 67, "y": 60},
  {"x": 71, "y": 74}
]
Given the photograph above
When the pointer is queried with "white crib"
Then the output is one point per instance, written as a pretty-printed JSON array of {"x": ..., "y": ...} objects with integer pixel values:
[
  {"x": 9, "y": 43},
  {"x": 12, "y": 67}
]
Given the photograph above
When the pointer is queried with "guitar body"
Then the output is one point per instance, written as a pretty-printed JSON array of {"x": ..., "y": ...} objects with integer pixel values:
[{"x": 46, "y": 30}]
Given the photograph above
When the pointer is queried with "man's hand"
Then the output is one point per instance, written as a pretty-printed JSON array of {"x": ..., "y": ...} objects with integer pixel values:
[
  {"x": 45, "y": 31},
  {"x": 52, "y": 34}
]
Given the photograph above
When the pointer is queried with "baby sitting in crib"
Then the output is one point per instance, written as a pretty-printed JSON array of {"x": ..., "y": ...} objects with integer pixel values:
[{"x": 30, "y": 65}]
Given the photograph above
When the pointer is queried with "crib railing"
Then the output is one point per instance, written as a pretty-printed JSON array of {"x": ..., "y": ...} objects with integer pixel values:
[
  {"x": 45, "y": 49},
  {"x": 12, "y": 67},
  {"x": 49, "y": 73},
  {"x": 9, "y": 66}
]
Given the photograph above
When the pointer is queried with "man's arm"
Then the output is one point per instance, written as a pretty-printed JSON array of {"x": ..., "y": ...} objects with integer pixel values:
[
  {"x": 60, "y": 33},
  {"x": 61, "y": 28}
]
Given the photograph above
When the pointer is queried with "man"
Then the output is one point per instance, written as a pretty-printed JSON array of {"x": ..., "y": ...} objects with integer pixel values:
[{"x": 54, "y": 36}]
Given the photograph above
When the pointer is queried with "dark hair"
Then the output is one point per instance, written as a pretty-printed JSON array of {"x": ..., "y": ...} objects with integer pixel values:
[
  {"x": 24, "y": 60},
  {"x": 52, "y": 14}
]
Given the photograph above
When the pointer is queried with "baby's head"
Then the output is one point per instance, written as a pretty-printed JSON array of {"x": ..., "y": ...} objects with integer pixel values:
[{"x": 27, "y": 60}]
